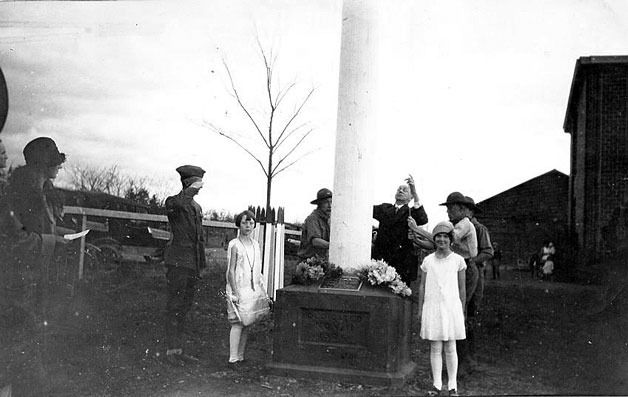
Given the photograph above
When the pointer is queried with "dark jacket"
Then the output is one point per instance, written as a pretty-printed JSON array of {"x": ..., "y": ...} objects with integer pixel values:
[
  {"x": 187, "y": 246},
  {"x": 485, "y": 248},
  {"x": 392, "y": 243},
  {"x": 28, "y": 216}
]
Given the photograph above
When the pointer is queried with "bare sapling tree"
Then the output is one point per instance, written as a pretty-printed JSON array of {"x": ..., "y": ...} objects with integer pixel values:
[{"x": 279, "y": 131}]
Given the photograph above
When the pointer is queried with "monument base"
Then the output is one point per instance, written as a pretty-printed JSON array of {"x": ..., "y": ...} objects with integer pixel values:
[
  {"x": 348, "y": 336},
  {"x": 394, "y": 379}
]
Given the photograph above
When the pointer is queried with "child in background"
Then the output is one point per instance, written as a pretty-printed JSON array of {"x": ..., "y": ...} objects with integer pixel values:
[{"x": 441, "y": 301}]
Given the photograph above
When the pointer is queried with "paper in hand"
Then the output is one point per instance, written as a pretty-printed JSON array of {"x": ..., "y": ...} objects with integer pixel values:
[{"x": 74, "y": 236}]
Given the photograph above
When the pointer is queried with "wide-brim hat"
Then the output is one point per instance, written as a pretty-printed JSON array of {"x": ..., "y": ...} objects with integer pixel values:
[
  {"x": 472, "y": 205},
  {"x": 455, "y": 198},
  {"x": 442, "y": 227},
  {"x": 321, "y": 195},
  {"x": 43, "y": 151}
]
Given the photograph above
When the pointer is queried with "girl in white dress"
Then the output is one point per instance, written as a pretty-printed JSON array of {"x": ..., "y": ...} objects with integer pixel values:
[
  {"x": 244, "y": 282},
  {"x": 441, "y": 302}
]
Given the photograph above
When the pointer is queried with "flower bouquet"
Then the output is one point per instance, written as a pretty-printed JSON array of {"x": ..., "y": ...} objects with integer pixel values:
[
  {"x": 314, "y": 269},
  {"x": 379, "y": 273}
]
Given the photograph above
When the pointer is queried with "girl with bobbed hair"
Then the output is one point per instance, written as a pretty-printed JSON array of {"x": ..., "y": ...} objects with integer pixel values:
[
  {"x": 247, "y": 301},
  {"x": 442, "y": 298}
]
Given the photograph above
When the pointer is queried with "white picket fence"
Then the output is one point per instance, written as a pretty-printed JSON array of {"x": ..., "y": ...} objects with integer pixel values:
[{"x": 270, "y": 236}]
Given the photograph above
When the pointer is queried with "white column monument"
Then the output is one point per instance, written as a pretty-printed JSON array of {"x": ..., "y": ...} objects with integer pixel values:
[
  {"x": 351, "y": 217},
  {"x": 346, "y": 334}
]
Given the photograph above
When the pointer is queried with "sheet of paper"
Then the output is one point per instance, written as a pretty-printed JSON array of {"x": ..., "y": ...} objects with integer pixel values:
[{"x": 74, "y": 236}]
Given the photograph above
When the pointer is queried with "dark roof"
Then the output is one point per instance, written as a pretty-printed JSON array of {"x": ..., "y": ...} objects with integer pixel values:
[
  {"x": 583, "y": 64},
  {"x": 548, "y": 174}
]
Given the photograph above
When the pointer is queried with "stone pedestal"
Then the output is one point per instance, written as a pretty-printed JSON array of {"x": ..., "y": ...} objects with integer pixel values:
[{"x": 347, "y": 336}]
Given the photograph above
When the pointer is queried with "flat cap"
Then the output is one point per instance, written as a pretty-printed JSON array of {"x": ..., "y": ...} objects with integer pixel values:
[{"x": 190, "y": 171}]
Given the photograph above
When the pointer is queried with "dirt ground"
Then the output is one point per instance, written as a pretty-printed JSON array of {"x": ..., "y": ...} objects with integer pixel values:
[{"x": 106, "y": 339}]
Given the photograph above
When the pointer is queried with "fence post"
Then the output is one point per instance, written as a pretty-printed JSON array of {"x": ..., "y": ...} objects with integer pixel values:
[
  {"x": 279, "y": 252},
  {"x": 82, "y": 251}
]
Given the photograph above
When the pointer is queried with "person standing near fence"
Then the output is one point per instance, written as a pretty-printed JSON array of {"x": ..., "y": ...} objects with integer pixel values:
[
  {"x": 316, "y": 228},
  {"x": 28, "y": 237},
  {"x": 247, "y": 301},
  {"x": 184, "y": 255}
]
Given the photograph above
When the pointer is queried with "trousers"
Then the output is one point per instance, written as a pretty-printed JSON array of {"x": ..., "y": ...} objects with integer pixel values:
[{"x": 181, "y": 282}]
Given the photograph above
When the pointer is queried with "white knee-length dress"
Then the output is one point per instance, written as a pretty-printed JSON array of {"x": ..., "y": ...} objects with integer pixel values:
[{"x": 442, "y": 317}]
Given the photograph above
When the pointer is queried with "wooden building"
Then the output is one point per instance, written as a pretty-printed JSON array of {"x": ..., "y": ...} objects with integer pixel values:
[
  {"x": 522, "y": 217},
  {"x": 597, "y": 119}
]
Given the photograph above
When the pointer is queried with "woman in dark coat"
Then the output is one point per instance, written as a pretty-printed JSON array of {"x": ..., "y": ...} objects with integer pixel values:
[{"x": 28, "y": 215}]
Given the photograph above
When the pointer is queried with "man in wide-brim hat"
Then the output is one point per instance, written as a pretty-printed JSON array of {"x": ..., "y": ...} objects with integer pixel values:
[
  {"x": 184, "y": 255},
  {"x": 475, "y": 290},
  {"x": 316, "y": 228}
]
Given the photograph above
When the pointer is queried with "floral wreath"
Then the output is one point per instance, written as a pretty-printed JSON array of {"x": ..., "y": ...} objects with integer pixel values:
[
  {"x": 379, "y": 273},
  {"x": 314, "y": 269}
]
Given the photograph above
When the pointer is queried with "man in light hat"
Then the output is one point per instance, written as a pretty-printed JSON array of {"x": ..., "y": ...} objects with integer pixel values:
[
  {"x": 392, "y": 243},
  {"x": 184, "y": 255},
  {"x": 315, "y": 231}
]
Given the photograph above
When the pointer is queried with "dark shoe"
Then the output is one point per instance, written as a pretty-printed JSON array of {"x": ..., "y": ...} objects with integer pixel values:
[
  {"x": 433, "y": 393},
  {"x": 453, "y": 392}
]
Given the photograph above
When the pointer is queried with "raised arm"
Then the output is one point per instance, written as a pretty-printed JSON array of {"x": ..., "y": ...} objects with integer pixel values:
[
  {"x": 420, "y": 238},
  {"x": 417, "y": 211}
]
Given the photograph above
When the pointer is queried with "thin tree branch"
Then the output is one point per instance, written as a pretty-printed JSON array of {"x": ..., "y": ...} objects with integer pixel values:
[
  {"x": 291, "y": 151},
  {"x": 296, "y": 113},
  {"x": 237, "y": 96},
  {"x": 285, "y": 138},
  {"x": 220, "y": 132},
  {"x": 282, "y": 94},
  {"x": 269, "y": 78},
  {"x": 296, "y": 160}
]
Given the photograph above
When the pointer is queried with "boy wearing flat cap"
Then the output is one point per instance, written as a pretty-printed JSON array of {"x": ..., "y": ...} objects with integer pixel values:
[
  {"x": 315, "y": 231},
  {"x": 184, "y": 255}
]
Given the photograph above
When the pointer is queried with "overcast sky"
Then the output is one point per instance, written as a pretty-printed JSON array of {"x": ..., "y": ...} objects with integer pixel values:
[{"x": 474, "y": 96}]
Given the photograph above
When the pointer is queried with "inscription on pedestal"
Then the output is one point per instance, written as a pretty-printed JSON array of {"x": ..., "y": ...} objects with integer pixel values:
[
  {"x": 345, "y": 283},
  {"x": 334, "y": 328}
]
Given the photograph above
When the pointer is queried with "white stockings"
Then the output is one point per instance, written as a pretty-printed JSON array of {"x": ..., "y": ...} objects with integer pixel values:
[
  {"x": 237, "y": 342},
  {"x": 451, "y": 360}
]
